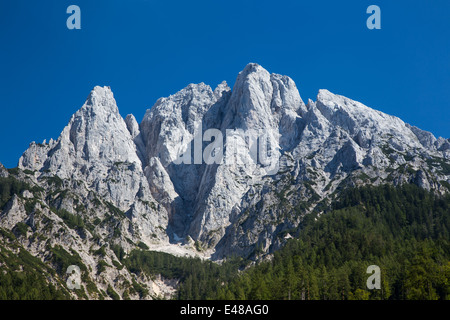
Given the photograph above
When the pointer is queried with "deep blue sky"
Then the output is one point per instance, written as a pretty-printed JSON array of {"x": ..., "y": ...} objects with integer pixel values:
[{"x": 148, "y": 49}]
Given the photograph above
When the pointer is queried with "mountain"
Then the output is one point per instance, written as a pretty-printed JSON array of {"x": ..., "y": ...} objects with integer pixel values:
[{"x": 213, "y": 173}]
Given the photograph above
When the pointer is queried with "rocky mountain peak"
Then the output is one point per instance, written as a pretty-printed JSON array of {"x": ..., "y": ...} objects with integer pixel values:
[
  {"x": 221, "y": 89},
  {"x": 90, "y": 149},
  {"x": 3, "y": 171},
  {"x": 132, "y": 125},
  {"x": 322, "y": 147},
  {"x": 101, "y": 97}
]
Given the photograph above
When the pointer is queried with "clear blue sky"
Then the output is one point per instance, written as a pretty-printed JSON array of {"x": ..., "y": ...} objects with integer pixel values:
[{"x": 148, "y": 49}]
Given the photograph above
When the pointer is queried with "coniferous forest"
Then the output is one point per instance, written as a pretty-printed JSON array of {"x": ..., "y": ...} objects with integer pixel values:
[{"x": 404, "y": 231}]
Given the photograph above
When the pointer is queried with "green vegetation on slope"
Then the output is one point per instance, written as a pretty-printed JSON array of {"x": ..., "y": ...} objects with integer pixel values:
[
  {"x": 10, "y": 186},
  {"x": 405, "y": 231},
  {"x": 198, "y": 279},
  {"x": 22, "y": 276}
]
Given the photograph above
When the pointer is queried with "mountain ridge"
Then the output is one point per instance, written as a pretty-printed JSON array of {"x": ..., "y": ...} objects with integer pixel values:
[
  {"x": 259, "y": 100},
  {"x": 110, "y": 182}
]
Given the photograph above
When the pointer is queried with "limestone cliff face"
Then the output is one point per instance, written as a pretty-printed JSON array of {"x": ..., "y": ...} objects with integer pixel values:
[
  {"x": 99, "y": 152},
  {"x": 3, "y": 172},
  {"x": 170, "y": 195}
]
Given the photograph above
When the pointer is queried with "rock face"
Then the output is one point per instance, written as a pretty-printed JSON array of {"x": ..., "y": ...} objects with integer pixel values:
[
  {"x": 100, "y": 151},
  {"x": 13, "y": 213},
  {"x": 94, "y": 142},
  {"x": 3, "y": 171},
  {"x": 165, "y": 174},
  {"x": 260, "y": 102}
]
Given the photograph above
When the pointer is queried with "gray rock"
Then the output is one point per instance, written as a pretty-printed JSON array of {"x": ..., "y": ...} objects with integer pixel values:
[
  {"x": 13, "y": 213},
  {"x": 3, "y": 172},
  {"x": 230, "y": 208}
]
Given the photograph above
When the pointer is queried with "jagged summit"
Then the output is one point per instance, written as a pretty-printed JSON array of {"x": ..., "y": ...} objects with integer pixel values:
[
  {"x": 323, "y": 147},
  {"x": 101, "y": 98},
  {"x": 251, "y": 67},
  {"x": 221, "y": 89},
  {"x": 3, "y": 172}
]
